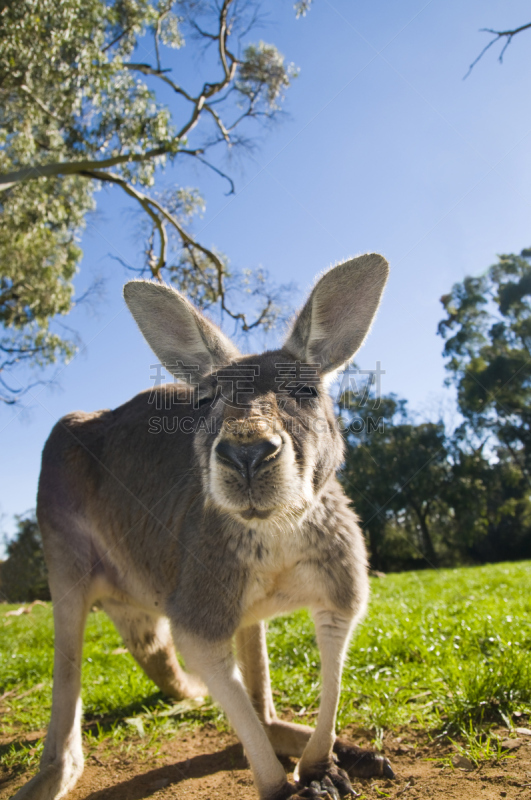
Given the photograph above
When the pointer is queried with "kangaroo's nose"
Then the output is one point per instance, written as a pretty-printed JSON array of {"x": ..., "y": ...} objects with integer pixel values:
[{"x": 247, "y": 458}]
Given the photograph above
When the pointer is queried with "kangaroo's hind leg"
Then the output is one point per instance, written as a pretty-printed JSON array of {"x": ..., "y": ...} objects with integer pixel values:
[
  {"x": 149, "y": 640},
  {"x": 62, "y": 760},
  {"x": 287, "y": 738},
  {"x": 290, "y": 738}
]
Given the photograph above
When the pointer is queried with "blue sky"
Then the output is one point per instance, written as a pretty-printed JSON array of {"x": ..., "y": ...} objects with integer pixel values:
[{"x": 384, "y": 147}]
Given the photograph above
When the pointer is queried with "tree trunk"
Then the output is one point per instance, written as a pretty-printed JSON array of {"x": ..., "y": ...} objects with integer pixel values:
[
  {"x": 428, "y": 550},
  {"x": 427, "y": 542}
]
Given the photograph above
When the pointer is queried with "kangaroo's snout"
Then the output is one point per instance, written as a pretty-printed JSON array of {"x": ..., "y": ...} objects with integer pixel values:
[{"x": 248, "y": 458}]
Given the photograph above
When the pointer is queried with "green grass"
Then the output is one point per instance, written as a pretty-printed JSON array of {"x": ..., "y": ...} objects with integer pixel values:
[
  {"x": 446, "y": 651},
  {"x": 440, "y": 648}
]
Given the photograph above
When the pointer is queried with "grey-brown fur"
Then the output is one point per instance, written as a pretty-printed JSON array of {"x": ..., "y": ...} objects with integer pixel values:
[{"x": 191, "y": 539}]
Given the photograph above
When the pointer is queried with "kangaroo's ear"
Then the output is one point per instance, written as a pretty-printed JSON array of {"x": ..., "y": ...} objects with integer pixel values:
[
  {"x": 177, "y": 333},
  {"x": 338, "y": 314}
]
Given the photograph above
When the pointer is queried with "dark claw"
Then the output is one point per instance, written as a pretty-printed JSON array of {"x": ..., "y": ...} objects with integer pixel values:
[
  {"x": 360, "y": 763},
  {"x": 387, "y": 769},
  {"x": 329, "y": 787},
  {"x": 310, "y": 792},
  {"x": 325, "y": 790},
  {"x": 286, "y": 791},
  {"x": 334, "y": 784}
]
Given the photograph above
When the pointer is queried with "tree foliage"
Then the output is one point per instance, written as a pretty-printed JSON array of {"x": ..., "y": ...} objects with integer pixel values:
[
  {"x": 23, "y": 576},
  {"x": 487, "y": 334},
  {"x": 396, "y": 472},
  {"x": 78, "y": 108},
  {"x": 428, "y": 496}
]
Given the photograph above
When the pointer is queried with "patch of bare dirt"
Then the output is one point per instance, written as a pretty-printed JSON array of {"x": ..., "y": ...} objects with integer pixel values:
[{"x": 204, "y": 764}]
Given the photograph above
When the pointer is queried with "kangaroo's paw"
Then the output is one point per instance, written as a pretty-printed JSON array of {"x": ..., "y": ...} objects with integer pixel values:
[
  {"x": 286, "y": 791},
  {"x": 324, "y": 780},
  {"x": 52, "y": 782},
  {"x": 333, "y": 786},
  {"x": 360, "y": 763}
]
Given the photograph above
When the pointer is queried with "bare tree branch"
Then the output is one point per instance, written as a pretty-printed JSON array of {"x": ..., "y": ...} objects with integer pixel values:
[
  {"x": 147, "y": 69},
  {"x": 154, "y": 209},
  {"x": 223, "y": 33},
  {"x": 219, "y": 123},
  {"x": 201, "y": 32},
  {"x": 156, "y": 35},
  {"x": 146, "y": 203},
  {"x": 498, "y": 36},
  {"x": 13, "y": 395},
  {"x": 218, "y": 171},
  {"x": 250, "y": 112},
  {"x": 76, "y": 167},
  {"x": 125, "y": 265},
  {"x": 117, "y": 38}
]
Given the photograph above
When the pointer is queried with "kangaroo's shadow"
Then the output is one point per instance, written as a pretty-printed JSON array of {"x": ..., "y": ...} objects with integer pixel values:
[{"x": 231, "y": 758}]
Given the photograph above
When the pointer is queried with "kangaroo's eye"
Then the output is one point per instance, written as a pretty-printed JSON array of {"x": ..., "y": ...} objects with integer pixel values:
[
  {"x": 306, "y": 391},
  {"x": 204, "y": 401},
  {"x": 302, "y": 392},
  {"x": 204, "y": 396}
]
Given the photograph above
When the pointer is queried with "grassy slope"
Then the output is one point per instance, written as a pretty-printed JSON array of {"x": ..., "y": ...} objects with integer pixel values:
[{"x": 445, "y": 650}]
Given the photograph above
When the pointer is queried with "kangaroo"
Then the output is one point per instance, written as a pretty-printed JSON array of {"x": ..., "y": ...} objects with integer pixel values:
[{"x": 199, "y": 509}]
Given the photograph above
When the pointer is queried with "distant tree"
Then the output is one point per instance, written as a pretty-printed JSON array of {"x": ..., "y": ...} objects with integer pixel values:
[
  {"x": 491, "y": 511},
  {"x": 86, "y": 100},
  {"x": 427, "y": 498},
  {"x": 487, "y": 334},
  {"x": 425, "y": 495},
  {"x": 396, "y": 474},
  {"x": 23, "y": 575}
]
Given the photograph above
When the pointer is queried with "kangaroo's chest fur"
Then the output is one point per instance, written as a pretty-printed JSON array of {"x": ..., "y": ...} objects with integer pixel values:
[
  {"x": 283, "y": 574},
  {"x": 236, "y": 576}
]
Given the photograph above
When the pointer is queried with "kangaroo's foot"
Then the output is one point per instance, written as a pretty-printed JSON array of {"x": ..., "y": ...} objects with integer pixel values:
[
  {"x": 52, "y": 782},
  {"x": 360, "y": 763}
]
